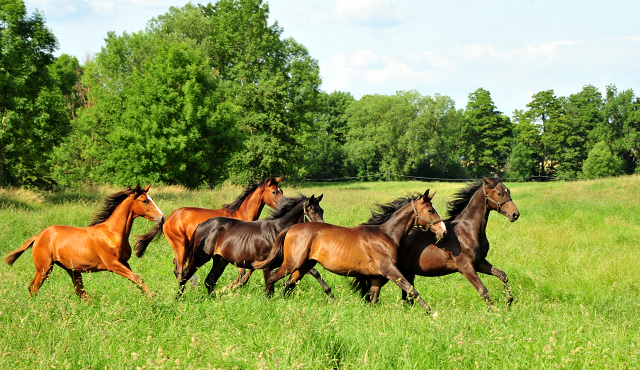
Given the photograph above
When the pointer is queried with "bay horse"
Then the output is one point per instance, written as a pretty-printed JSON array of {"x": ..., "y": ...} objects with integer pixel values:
[
  {"x": 181, "y": 224},
  {"x": 227, "y": 240},
  {"x": 369, "y": 250},
  {"x": 103, "y": 245},
  {"x": 465, "y": 248}
]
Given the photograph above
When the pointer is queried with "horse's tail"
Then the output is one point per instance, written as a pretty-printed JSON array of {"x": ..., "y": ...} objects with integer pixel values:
[
  {"x": 13, "y": 256},
  {"x": 277, "y": 253},
  {"x": 360, "y": 285},
  {"x": 142, "y": 241},
  {"x": 189, "y": 254}
]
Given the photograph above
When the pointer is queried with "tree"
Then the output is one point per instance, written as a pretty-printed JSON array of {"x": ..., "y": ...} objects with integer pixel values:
[
  {"x": 273, "y": 80},
  {"x": 158, "y": 116},
  {"x": 34, "y": 114},
  {"x": 544, "y": 110},
  {"x": 621, "y": 127},
  {"x": 520, "y": 166},
  {"x": 601, "y": 163},
  {"x": 486, "y": 135}
]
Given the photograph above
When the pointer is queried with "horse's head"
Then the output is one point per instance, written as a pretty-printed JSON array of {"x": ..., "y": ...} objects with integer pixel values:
[
  {"x": 427, "y": 216},
  {"x": 499, "y": 197},
  {"x": 272, "y": 193},
  {"x": 312, "y": 210},
  {"x": 144, "y": 206}
]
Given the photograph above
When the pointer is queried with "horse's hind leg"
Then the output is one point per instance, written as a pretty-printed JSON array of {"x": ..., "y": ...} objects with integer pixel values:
[
  {"x": 486, "y": 268},
  {"x": 76, "y": 277},
  {"x": 217, "y": 269},
  {"x": 313, "y": 272},
  {"x": 297, "y": 275},
  {"x": 242, "y": 279},
  {"x": 411, "y": 277},
  {"x": 44, "y": 264},
  {"x": 374, "y": 291}
]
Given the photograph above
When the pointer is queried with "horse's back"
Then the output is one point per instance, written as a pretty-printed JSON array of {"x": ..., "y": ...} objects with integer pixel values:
[
  {"x": 184, "y": 221},
  {"x": 74, "y": 247}
]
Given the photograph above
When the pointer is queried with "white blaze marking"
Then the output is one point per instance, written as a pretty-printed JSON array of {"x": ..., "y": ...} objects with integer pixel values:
[
  {"x": 443, "y": 226},
  {"x": 154, "y": 204}
]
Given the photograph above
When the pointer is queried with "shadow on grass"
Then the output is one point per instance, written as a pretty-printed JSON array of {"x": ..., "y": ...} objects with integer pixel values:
[{"x": 9, "y": 202}]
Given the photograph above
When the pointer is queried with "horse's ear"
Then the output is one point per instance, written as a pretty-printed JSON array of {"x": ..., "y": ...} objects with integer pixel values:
[
  {"x": 318, "y": 199},
  {"x": 278, "y": 179},
  {"x": 146, "y": 188},
  {"x": 425, "y": 196},
  {"x": 432, "y": 194},
  {"x": 491, "y": 181},
  {"x": 137, "y": 189}
]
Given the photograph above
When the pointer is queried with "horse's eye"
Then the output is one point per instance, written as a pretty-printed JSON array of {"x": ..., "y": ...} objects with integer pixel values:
[
  {"x": 273, "y": 192},
  {"x": 145, "y": 201},
  {"x": 499, "y": 194},
  {"x": 430, "y": 211}
]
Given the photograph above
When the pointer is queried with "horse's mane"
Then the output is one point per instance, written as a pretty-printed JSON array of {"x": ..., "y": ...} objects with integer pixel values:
[
  {"x": 285, "y": 206},
  {"x": 235, "y": 205},
  {"x": 385, "y": 211},
  {"x": 110, "y": 204},
  {"x": 461, "y": 199}
]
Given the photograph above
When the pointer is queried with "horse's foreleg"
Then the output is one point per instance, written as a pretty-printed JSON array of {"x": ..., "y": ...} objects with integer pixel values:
[
  {"x": 486, "y": 268},
  {"x": 217, "y": 269},
  {"x": 123, "y": 269},
  {"x": 244, "y": 279},
  {"x": 313, "y": 272},
  {"x": 411, "y": 277},
  {"x": 241, "y": 273},
  {"x": 268, "y": 288},
  {"x": 189, "y": 272},
  {"x": 392, "y": 273},
  {"x": 76, "y": 277},
  {"x": 467, "y": 270}
]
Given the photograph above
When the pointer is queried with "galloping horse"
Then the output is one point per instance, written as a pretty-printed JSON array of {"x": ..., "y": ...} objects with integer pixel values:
[
  {"x": 228, "y": 240},
  {"x": 465, "y": 248},
  {"x": 369, "y": 250},
  {"x": 103, "y": 245},
  {"x": 181, "y": 224}
]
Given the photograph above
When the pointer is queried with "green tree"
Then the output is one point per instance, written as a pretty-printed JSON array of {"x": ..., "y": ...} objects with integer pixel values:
[
  {"x": 33, "y": 110},
  {"x": 621, "y": 127},
  {"x": 601, "y": 162},
  {"x": 544, "y": 110},
  {"x": 486, "y": 135},
  {"x": 157, "y": 116},
  {"x": 272, "y": 79},
  {"x": 520, "y": 166}
]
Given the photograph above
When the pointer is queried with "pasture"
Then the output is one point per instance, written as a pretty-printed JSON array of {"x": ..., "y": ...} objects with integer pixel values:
[{"x": 571, "y": 259}]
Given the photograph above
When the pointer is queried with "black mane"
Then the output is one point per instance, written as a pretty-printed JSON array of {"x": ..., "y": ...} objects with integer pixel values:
[
  {"x": 110, "y": 204},
  {"x": 235, "y": 205},
  {"x": 285, "y": 206},
  {"x": 461, "y": 199},
  {"x": 385, "y": 211}
]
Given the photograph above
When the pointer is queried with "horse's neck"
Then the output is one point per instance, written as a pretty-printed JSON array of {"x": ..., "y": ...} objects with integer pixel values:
[
  {"x": 399, "y": 225},
  {"x": 251, "y": 208},
  {"x": 121, "y": 220},
  {"x": 475, "y": 215},
  {"x": 289, "y": 219}
]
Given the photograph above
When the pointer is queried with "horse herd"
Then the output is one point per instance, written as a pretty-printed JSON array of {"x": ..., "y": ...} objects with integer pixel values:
[{"x": 402, "y": 239}]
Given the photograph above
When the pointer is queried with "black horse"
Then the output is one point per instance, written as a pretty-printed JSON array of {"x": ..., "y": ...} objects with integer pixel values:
[{"x": 227, "y": 240}]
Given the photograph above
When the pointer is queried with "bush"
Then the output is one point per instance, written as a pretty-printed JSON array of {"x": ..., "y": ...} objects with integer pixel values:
[{"x": 601, "y": 163}]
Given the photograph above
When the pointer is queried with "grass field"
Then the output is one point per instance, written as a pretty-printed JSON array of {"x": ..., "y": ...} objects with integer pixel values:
[{"x": 571, "y": 259}]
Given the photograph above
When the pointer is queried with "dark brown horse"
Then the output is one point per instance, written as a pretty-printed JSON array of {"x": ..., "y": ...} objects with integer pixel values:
[
  {"x": 465, "y": 248},
  {"x": 369, "y": 250},
  {"x": 104, "y": 245},
  {"x": 181, "y": 224},
  {"x": 227, "y": 240}
]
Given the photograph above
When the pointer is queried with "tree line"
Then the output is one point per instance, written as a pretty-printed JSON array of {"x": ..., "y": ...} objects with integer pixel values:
[{"x": 212, "y": 93}]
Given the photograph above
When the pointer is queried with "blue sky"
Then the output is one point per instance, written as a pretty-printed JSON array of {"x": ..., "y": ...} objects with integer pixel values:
[{"x": 511, "y": 48}]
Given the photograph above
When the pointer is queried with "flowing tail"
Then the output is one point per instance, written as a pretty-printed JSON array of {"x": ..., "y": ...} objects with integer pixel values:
[
  {"x": 142, "y": 241},
  {"x": 277, "y": 253},
  {"x": 13, "y": 256},
  {"x": 361, "y": 286}
]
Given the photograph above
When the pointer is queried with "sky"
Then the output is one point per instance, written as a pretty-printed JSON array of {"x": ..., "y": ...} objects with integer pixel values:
[{"x": 512, "y": 48}]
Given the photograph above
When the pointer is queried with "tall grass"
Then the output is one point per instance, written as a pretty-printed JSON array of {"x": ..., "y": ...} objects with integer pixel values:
[{"x": 571, "y": 259}]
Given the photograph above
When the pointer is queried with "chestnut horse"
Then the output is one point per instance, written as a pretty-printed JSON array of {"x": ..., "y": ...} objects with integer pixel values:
[
  {"x": 369, "y": 250},
  {"x": 465, "y": 248},
  {"x": 242, "y": 243},
  {"x": 103, "y": 245},
  {"x": 181, "y": 224}
]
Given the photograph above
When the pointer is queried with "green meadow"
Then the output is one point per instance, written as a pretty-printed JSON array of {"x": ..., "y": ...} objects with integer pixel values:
[{"x": 571, "y": 259}]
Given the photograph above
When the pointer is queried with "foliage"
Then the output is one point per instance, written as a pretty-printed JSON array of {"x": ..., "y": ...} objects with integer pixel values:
[
  {"x": 601, "y": 162},
  {"x": 520, "y": 166},
  {"x": 486, "y": 135},
  {"x": 157, "y": 117},
  {"x": 33, "y": 110}
]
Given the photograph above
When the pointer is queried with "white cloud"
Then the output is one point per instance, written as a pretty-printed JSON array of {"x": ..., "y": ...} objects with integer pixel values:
[
  {"x": 102, "y": 7},
  {"x": 373, "y": 13}
]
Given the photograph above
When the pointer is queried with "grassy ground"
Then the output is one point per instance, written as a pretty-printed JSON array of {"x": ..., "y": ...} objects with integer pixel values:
[{"x": 571, "y": 259}]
